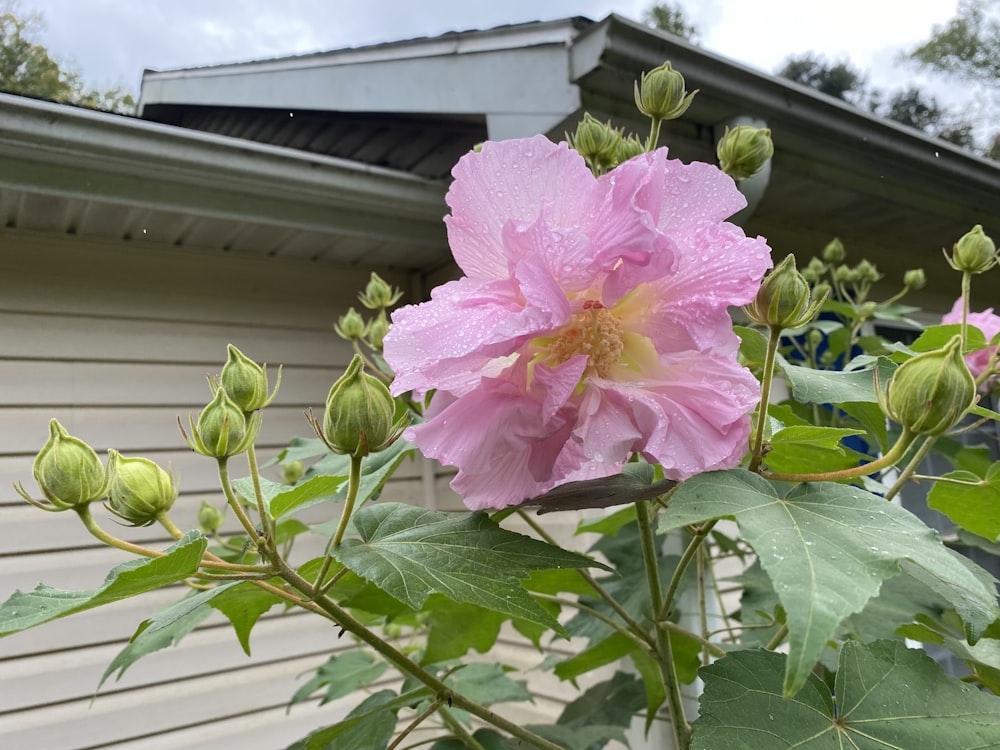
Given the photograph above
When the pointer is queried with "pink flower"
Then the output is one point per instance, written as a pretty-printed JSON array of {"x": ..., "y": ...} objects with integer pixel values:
[
  {"x": 986, "y": 322},
  {"x": 591, "y": 323}
]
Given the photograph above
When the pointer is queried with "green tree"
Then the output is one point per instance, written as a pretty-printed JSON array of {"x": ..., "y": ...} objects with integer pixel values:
[
  {"x": 915, "y": 109},
  {"x": 670, "y": 17},
  {"x": 968, "y": 46},
  {"x": 840, "y": 79},
  {"x": 27, "y": 68}
]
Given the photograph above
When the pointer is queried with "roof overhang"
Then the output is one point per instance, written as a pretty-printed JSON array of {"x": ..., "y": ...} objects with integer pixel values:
[{"x": 76, "y": 171}]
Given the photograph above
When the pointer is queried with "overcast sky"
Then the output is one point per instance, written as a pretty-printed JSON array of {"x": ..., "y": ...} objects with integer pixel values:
[{"x": 112, "y": 41}]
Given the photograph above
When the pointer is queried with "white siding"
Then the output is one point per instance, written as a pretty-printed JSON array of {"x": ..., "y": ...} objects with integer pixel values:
[{"x": 115, "y": 341}]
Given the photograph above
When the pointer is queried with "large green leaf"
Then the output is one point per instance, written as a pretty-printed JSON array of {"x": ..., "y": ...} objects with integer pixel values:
[
  {"x": 282, "y": 499},
  {"x": 411, "y": 553},
  {"x": 827, "y": 548},
  {"x": 26, "y": 610},
  {"x": 243, "y": 605},
  {"x": 799, "y": 449},
  {"x": 370, "y": 726},
  {"x": 455, "y": 627},
  {"x": 487, "y": 684},
  {"x": 886, "y": 697},
  {"x": 834, "y": 387},
  {"x": 976, "y": 506},
  {"x": 165, "y": 628},
  {"x": 341, "y": 675}
]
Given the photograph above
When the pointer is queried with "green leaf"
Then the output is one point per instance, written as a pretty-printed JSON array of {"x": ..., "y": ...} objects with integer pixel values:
[
  {"x": 870, "y": 417},
  {"x": 370, "y": 726},
  {"x": 487, "y": 684},
  {"x": 937, "y": 337},
  {"x": 411, "y": 552},
  {"x": 832, "y": 387},
  {"x": 165, "y": 628},
  {"x": 243, "y": 605},
  {"x": 611, "y": 649},
  {"x": 827, "y": 548},
  {"x": 457, "y": 627},
  {"x": 887, "y": 697},
  {"x": 975, "y": 507},
  {"x": 282, "y": 499},
  {"x": 341, "y": 675},
  {"x": 799, "y": 449},
  {"x": 753, "y": 346},
  {"x": 610, "y": 524},
  {"x": 26, "y": 610},
  {"x": 983, "y": 658}
]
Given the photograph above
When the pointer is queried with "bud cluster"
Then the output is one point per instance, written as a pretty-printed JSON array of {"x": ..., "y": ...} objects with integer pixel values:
[{"x": 378, "y": 295}]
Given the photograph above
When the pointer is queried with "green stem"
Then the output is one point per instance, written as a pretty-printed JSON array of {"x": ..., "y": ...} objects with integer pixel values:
[
  {"x": 700, "y": 561},
  {"x": 406, "y": 665},
  {"x": 966, "y": 295},
  {"x": 911, "y": 467},
  {"x": 632, "y": 623},
  {"x": 647, "y": 538},
  {"x": 756, "y": 448},
  {"x": 654, "y": 133},
  {"x": 889, "y": 459},
  {"x": 456, "y": 728},
  {"x": 713, "y": 648},
  {"x": 266, "y": 522},
  {"x": 777, "y": 639},
  {"x": 234, "y": 503},
  {"x": 682, "y": 565},
  {"x": 210, "y": 560},
  {"x": 417, "y": 721},
  {"x": 616, "y": 626},
  {"x": 83, "y": 511},
  {"x": 353, "y": 483}
]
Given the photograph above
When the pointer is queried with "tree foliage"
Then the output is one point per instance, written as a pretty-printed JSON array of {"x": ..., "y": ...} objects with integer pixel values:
[
  {"x": 837, "y": 79},
  {"x": 968, "y": 46},
  {"x": 28, "y": 68},
  {"x": 670, "y": 17}
]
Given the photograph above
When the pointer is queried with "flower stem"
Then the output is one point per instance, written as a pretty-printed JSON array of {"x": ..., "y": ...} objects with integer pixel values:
[
  {"x": 83, "y": 511},
  {"x": 417, "y": 721},
  {"x": 234, "y": 502},
  {"x": 911, "y": 467},
  {"x": 353, "y": 483},
  {"x": 406, "y": 665},
  {"x": 682, "y": 565},
  {"x": 682, "y": 730},
  {"x": 966, "y": 295},
  {"x": 266, "y": 522},
  {"x": 777, "y": 639},
  {"x": 894, "y": 455},
  {"x": 767, "y": 377},
  {"x": 654, "y": 133}
]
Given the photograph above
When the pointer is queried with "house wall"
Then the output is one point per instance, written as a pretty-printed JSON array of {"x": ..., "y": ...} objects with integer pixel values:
[{"x": 115, "y": 341}]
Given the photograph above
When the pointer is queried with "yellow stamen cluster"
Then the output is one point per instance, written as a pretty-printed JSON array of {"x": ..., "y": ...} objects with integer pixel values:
[{"x": 596, "y": 333}]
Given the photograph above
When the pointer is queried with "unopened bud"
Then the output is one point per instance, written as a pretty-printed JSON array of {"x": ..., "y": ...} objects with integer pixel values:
[
  {"x": 292, "y": 471},
  {"x": 351, "y": 326},
  {"x": 246, "y": 382},
  {"x": 834, "y": 251},
  {"x": 379, "y": 295},
  {"x": 223, "y": 428},
  {"x": 814, "y": 271},
  {"x": 744, "y": 150},
  {"x": 628, "y": 148},
  {"x": 210, "y": 518},
  {"x": 68, "y": 472},
  {"x": 866, "y": 272},
  {"x": 867, "y": 310},
  {"x": 660, "y": 93},
  {"x": 914, "y": 279},
  {"x": 784, "y": 300},
  {"x": 974, "y": 253},
  {"x": 138, "y": 489},
  {"x": 360, "y": 414},
  {"x": 377, "y": 330},
  {"x": 931, "y": 392},
  {"x": 597, "y": 142}
]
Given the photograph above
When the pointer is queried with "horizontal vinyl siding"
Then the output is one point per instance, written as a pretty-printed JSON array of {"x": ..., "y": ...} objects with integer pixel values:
[{"x": 115, "y": 341}]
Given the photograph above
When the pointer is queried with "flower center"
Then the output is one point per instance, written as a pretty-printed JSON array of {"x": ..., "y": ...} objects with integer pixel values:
[{"x": 596, "y": 333}]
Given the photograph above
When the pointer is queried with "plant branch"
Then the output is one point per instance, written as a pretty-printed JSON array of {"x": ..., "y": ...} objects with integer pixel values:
[{"x": 767, "y": 378}]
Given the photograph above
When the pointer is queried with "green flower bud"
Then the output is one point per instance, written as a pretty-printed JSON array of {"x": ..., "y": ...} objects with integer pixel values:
[
  {"x": 660, "y": 93},
  {"x": 845, "y": 275},
  {"x": 292, "y": 471},
  {"x": 68, "y": 472},
  {"x": 867, "y": 273},
  {"x": 784, "y": 300},
  {"x": 814, "y": 271},
  {"x": 360, "y": 414},
  {"x": 744, "y": 150},
  {"x": 867, "y": 310},
  {"x": 210, "y": 518},
  {"x": 246, "y": 382},
  {"x": 378, "y": 295},
  {"x": 351, "y": 326},
  {"x": 377, "y": 330},
  {"x": 915, "y": 279},
  {"x": 223, "y": 428},
  {"x": 138, "y": 489},
  {"x": 931, "y": 392},
  {"x": 597, "y": 142},
  {"x": 628, "y": 148},
  {"x": 834, "y": 251},
  {"x": 974, "y": 253}
]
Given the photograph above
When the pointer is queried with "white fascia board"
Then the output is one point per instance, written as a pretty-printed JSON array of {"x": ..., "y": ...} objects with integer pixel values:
[
  {"x": 72, "y": 152},
  {"x": 476, "y": 76}
]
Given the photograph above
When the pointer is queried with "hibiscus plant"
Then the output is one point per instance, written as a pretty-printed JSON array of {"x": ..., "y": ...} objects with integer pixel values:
[{"x": 756, "y": 581}]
